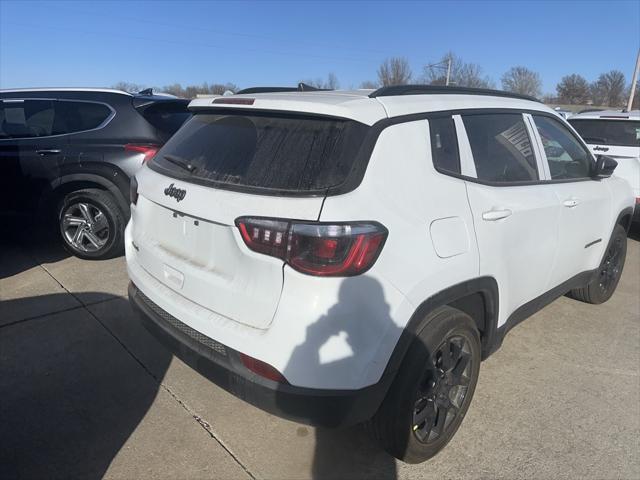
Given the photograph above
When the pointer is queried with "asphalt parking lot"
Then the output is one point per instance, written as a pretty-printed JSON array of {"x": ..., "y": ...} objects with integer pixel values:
[{"x": 86, "y": 392}]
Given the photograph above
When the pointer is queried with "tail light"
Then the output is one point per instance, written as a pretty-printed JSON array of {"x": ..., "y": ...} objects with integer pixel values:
[
  {"x": 133, "y": 191},
  {"x": 149, "y": 151},
  {"x": 261, "y": 368},
  {"x": 321, "y": 249}
]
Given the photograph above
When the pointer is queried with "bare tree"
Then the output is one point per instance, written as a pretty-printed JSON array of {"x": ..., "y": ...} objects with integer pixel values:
[
  {"x": 331, "y": 83},
  {"x": 191, "y": 91},
  {"x": 609, "y": 89},
  {"x": 369, "y": 84},
  {"x": 573, "y": 89},
  {"x": 462, "y": 74},
  {"x": 128, "y": 87},
  {"x": 522, "y": 80},
  {"x": 636, "y": 97},
  {"x": 394, "y": 71},
  {"x": 175, "y": 89}
]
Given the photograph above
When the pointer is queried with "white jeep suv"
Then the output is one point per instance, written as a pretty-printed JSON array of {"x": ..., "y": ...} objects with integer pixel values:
[
  {"x": 337, "y": 257},
  {"x": 616, "y": 134}
]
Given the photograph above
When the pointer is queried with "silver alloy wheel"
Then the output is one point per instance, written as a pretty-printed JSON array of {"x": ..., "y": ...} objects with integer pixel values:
[{"x": 85, "y": 227}]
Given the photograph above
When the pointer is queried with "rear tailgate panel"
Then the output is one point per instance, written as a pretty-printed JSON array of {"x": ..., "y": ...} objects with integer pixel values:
[{"x": 190, "y": 244}]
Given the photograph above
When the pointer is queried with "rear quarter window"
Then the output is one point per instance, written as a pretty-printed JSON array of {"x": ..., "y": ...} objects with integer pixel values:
[
  {"x": 444, "y": 144},
  {"x": 264, "y": 151}
]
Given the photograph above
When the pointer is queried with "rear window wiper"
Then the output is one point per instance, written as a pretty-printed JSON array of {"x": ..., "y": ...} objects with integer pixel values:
[
  {"x": 595, "y": 139},
  {"x": 181, "y": 162}
]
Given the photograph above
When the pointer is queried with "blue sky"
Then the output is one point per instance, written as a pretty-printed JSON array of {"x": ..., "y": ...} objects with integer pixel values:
[{"x": 76, "y": 43}]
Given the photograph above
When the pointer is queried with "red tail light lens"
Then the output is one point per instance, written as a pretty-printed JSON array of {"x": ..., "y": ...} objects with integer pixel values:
[
  {"x": 261, "y": 368},
  {"x": 322, "y": 249},
  {"x": 149, "y": 151}
]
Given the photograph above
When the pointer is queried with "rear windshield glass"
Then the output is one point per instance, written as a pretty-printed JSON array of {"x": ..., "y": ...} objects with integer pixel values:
[
  {"x": 624, "y": 133},
  {"x": 270, "y": 151}
]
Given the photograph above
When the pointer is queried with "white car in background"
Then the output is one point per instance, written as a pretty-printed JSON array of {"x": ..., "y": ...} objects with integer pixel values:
[
  {"x": 615, "y": 134},
  {"x": 563, "y": 113}
]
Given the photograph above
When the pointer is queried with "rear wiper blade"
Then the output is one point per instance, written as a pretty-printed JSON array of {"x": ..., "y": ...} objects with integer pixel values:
[
  {"x": 595, "y": 139},
  {"x": 181, "y": 162}
]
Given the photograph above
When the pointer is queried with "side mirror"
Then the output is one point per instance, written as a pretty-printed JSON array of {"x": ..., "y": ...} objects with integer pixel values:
[{"x": 604, "y": 167}]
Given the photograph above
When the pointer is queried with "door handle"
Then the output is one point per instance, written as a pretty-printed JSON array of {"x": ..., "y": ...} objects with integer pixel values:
[
  {"x": 571, "y": 202},
  {"x": 496, "y": 214},
  {"x": 48, "y": 151}
]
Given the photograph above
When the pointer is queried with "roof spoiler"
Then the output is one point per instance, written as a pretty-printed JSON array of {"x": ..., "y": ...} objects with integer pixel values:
[
  {"x": 394, "y": 90},
  {"x": 302, "y": 87}
]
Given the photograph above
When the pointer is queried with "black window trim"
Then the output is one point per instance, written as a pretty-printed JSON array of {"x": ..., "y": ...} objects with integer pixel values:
[{"x": 105, "y": 122}]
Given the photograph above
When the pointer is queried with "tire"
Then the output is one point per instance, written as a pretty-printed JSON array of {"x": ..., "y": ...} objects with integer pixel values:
[
  {"x": 91, "y": 224},
  {"x": 420, "y": 388},
  {"x": 604, "y": 283}
]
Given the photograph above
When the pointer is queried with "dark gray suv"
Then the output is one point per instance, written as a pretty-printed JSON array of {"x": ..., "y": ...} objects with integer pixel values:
[{"x": 66, "y": 157}]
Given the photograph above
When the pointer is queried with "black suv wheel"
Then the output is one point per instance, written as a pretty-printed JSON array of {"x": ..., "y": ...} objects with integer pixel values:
[
  {"x": 432, "y": 391},
  {"x": 91, "y": 224}
]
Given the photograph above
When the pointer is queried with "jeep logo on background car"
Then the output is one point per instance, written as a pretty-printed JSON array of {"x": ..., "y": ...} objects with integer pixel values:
[
  {"x": 601, "y": 149},
  {"x": 177, "y": 193}
]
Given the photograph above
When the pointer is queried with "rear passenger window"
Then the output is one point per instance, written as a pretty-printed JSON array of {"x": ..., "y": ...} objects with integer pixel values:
[
  {"x": 444, "y": 144},
  {"x": 567, "y": 158},
  {"x": 79, "y": 116},
  {"x": 26, "y": 118},
  {"x": 501, "y": 148}
]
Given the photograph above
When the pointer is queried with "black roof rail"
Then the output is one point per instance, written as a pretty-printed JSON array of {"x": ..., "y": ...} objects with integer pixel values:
[
  {"x": 302, "y": 87},
  {"x": 394, "y": 90},
  {"x": 146, "y": 91}
]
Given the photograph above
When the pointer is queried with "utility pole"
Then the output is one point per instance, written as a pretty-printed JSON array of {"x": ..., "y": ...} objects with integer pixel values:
[
  {"x": 633, "y": 82},
  {"x": 449, "y": 69}
]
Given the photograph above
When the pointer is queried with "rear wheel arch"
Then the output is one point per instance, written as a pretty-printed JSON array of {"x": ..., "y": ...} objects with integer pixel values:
[
  {"x": 66, "y": 184},
  {"x": 477, "y": 297},
  {"x": 624, "y": 218}
]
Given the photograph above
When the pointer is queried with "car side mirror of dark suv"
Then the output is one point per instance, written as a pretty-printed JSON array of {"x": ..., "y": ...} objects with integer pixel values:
[{"x": 604, "y": 167}]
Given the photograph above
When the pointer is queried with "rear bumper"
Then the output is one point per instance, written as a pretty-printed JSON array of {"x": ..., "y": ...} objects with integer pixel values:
[{"x": 222, "y": 365}]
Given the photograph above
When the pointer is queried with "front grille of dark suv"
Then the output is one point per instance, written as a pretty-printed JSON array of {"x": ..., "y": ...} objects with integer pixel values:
[{"x": 178, "y": 325}]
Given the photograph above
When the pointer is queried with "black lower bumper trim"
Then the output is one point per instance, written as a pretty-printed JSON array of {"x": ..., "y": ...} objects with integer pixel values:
[{"x": 222, "y": 365}]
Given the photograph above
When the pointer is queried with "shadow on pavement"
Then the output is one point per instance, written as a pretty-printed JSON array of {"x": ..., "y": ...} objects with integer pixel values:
[
  {"x": 17, "y": 238},
  {"x": 70, "y": 394}
]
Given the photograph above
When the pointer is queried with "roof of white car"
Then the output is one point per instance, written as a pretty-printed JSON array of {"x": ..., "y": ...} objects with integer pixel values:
[
  {"x": 608, "y": 115},
  {"x": 358, "y": 105}
]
